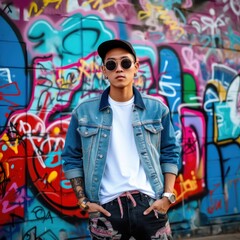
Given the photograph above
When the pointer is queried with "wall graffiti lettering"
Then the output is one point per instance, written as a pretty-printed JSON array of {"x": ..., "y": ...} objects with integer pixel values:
[{"x": 189, "y": 58}]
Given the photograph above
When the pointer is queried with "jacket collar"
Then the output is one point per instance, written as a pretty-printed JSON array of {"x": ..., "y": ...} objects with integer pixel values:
[{"x": 137, "y": 99}]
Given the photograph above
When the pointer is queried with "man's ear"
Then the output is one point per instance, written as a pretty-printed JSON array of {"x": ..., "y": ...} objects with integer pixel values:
[
  {"x": 103, "y": 70},
  {"x": 136, "y": 64}
]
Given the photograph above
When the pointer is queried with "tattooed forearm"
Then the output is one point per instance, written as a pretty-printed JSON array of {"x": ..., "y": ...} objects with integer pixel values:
[{"x": 78, "y": 187}]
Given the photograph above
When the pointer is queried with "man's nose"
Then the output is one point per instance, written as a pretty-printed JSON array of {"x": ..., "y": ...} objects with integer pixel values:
[{"x": 119, "y": 67}]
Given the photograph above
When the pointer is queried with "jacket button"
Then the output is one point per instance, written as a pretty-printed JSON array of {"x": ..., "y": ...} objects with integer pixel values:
[
  {"x": 100, "y": 156},
  {"x": 105, "y": 135},
  {"x": 86, "y": 133}
]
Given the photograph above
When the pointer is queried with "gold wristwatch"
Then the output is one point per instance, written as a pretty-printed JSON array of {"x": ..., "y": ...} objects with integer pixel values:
[{"x": 83, "y": 205}]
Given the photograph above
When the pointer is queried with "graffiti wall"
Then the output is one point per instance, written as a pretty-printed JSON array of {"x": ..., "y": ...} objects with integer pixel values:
[{"x": 189, "y": 54}]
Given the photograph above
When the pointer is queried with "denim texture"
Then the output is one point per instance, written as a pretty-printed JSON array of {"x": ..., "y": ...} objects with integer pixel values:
[
  {"x": 133, "y": 224},
  {"x": 87, "y": 140}
]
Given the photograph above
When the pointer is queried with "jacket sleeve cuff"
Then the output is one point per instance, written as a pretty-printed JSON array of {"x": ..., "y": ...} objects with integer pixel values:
[
  {"x": 169, "y": 168},
  {"x": 73, "y": 173}
]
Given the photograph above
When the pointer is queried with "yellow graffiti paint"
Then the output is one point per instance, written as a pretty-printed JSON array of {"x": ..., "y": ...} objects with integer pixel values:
[
  {"x": 219, "y": 88},
  {"x": 97, "y": 3},
  {"x": 34, "y": 7},
  {"x": 145, "y": 14},
  {"x": 4, "y": 169},
  {"x": 10, "y": 145},
  {"x": 52, "y": 176},
  {"x": 173, "y": 24},
  {"x": 4, "y": 172},
  {"x": 83, "y": 68},
  {"x": 56, "y": 130},
  {"x": 187, "y": 185},
  {"x": 163, "y": 15}
]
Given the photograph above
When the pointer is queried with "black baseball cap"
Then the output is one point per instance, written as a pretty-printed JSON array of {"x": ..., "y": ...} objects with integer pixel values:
[{"x": 106, "y": 46}]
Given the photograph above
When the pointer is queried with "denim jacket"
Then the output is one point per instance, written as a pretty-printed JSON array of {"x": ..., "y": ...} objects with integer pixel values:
[{"x": 87, "y": 141}]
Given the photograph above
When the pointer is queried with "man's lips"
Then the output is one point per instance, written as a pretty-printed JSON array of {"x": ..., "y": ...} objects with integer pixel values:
[{"x": 120, "y": 76}]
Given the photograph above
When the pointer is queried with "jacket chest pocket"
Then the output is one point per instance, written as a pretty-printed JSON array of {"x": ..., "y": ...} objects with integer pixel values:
[
  {"x": 88, "y": 137},
  {"x": 153, "y": 133}
]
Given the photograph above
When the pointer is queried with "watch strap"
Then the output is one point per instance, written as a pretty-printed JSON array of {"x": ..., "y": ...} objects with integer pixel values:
[
  {"x": 166, "y": 194},
  {"x": 171, "y": 197}
]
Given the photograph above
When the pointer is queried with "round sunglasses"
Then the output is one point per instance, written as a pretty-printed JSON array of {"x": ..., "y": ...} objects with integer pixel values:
[{"x": 111, "y": 65}]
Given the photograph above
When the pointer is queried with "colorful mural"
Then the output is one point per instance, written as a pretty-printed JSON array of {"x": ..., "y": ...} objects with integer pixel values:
[{"x": 189, "y": 57}]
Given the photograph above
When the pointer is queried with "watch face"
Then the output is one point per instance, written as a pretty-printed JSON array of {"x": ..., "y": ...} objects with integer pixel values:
[{"x": 172, "y": 198}]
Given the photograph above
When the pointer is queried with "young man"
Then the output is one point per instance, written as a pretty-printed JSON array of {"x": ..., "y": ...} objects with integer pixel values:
[{"x": 121, "y": 154}]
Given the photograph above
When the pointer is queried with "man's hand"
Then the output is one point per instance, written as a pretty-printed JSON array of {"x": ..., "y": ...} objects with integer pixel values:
[
  {"x": 161, "y": 205},
  {"x": 94, "y": 207}
]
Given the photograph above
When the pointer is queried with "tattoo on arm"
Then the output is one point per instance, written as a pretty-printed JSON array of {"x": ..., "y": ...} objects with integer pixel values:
[{"x": 78, "y": 187}]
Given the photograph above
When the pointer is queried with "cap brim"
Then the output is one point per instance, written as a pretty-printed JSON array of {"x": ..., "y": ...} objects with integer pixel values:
[{"x": 106, "y": 46}]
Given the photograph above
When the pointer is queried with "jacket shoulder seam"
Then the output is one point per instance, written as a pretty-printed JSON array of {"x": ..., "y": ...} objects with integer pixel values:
[{"x": 86, "y": 101}]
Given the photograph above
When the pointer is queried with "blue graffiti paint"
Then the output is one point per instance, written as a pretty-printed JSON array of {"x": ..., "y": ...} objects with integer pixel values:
[{"x": 14, "y": 88}]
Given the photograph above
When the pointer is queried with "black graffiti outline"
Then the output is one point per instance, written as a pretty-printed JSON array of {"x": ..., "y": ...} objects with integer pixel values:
[
  {"x": 46, "y": 214},
  {"x": 8, "y": 7}
]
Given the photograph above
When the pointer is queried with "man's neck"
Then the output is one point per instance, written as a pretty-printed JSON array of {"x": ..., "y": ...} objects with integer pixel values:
[{"x": 121, "y": 94}]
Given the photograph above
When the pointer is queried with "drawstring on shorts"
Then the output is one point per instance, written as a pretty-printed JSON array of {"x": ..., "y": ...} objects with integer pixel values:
[{"x": 129, "y": 196}]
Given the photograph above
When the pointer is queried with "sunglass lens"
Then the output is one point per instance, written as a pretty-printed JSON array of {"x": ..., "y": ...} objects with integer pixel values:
[
  {"x": 110, "y": 65},
  {"x": 126, "y": 63}
]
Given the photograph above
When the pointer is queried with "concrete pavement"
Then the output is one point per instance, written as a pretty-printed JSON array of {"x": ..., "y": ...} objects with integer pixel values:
[{"x": 232, "y": 236}]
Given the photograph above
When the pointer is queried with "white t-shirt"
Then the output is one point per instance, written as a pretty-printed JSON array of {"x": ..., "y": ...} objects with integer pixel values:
[{"x": 123, "y": 171}]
